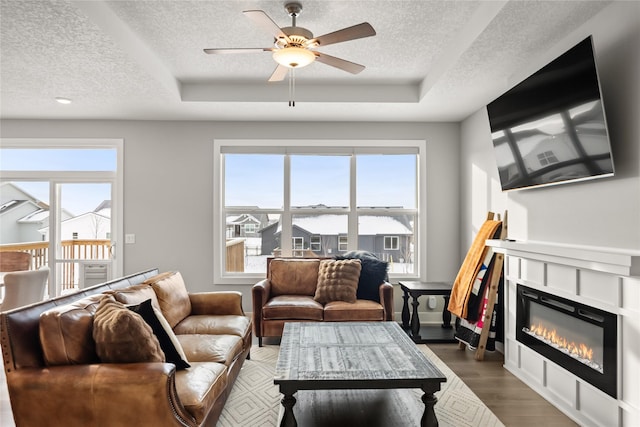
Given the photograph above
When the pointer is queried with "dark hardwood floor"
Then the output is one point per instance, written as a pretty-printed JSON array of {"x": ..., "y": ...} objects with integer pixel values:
[{"x": 513, "y": 402}]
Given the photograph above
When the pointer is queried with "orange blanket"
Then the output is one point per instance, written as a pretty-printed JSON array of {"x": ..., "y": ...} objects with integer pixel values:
[{"x": 470, "y": 268}]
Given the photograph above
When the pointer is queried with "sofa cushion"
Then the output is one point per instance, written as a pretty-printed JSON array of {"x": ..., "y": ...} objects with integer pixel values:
[
  {"x": 299, "y": 307},
  {"x": 214, "y": 325},
  {"x": 200, "y": 386},
  {"x": 135, "y": 295},
  {"x": 123, "y": 336},
  {"x": 293, "y": 276},
  {"x": 338, "y": 280},
  {"x": 361, "y": 310},
  {"x": 172, "y": 295},
  {"x": 66, "y": 333},
  {"x": 211, "y": 348},
  {"x": 372, "y": 275},
  {"x": 169, "y": 344}
]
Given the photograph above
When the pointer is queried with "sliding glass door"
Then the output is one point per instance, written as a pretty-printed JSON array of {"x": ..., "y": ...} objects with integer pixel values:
[{"x": 61, "y": 202}]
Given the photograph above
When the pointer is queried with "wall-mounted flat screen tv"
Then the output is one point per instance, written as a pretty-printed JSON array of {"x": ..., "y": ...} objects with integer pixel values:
[{"x": 551, "y": 127}]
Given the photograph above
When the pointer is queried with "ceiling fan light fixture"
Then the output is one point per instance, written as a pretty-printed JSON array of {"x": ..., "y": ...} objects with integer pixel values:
[{"x": 294, "y": 57}]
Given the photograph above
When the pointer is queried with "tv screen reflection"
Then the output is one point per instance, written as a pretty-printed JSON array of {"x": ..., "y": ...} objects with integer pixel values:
[{"x": 570, "y": 144}]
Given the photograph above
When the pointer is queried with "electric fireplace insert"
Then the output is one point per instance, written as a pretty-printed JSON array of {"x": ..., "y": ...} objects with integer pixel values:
[{"x": 579, "y": 338}]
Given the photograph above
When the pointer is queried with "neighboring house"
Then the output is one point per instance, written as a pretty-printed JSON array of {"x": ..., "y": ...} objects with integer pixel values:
[
  {"x": 243, "y": 225},
  {"x": 386, "y": 236},
  {"x": 247, "y": 227},
  {"x": 22, "y": 215},
  {"x": 94, "y": 225}
]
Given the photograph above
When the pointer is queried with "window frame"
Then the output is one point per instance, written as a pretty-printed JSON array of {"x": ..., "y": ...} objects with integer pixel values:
[
  {"x": 547, "y": 158},
  {"x": 315, "y": 243},
  {"x": 315, "y": 147},
  {"x": 343, "y": 243},
  {"x": 395, "y": 243},
  {"x": 297, "y": 243}
]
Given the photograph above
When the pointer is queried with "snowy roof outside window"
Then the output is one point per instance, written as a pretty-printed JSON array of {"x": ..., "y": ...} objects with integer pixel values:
[
  {"x": 241, "y": 219},
  {"x": 10, "y": 204},
  {"x": 331, "y": 225},
  {"x": 36, "y": 216},
  {"x": 371, "y": 225}
]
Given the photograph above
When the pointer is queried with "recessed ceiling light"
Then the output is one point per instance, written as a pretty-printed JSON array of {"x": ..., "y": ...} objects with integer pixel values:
[{"x": 63, "y": 100}]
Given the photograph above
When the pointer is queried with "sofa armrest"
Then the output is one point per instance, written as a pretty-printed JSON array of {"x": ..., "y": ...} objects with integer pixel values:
[
  {"x": 260, "y": 293},
  {"x": 219, "y": 302},
  {"x": 140, "y": 394},
  {"x": 386, "y": 299}
]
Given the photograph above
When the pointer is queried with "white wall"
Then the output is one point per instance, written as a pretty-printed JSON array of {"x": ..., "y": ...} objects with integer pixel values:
[
  {"x": 595, "y": 213},
  {"x": 168, "y": 185}
]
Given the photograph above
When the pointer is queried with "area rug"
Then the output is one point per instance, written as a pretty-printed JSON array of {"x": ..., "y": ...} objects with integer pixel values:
[{"x": 255, "y": 400}]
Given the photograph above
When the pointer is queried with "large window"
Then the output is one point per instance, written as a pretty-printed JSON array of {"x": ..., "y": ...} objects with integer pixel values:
[{"x": 317, "y": 199}]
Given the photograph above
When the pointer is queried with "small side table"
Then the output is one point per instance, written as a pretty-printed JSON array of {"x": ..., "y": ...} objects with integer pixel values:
[{"x": 412, "y": 323}]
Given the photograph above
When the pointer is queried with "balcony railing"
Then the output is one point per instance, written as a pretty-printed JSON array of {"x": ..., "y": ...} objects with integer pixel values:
[{"x": 72, "y": 252}]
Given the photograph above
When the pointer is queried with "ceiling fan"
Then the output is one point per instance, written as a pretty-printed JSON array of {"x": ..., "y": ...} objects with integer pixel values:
[{"x": 294, "y": 47}]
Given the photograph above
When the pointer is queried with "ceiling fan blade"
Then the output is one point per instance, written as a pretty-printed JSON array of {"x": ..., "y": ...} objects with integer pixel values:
[
  {"x": 263, "y": 20},
  {"x": 348, "y": 66},
  {"x": 279, "y": 74},
  {"x": 351, "y": 33},
  {"x": 238, "y": 50}
]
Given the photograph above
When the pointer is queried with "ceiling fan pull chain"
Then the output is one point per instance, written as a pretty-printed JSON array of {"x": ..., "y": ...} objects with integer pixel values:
[
  {"x": 292, "y": 88},
  {"x": 290, "y": 96}
]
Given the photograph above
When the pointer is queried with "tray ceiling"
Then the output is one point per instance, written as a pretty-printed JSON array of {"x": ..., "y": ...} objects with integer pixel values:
[{"x": 430, "y": 60}]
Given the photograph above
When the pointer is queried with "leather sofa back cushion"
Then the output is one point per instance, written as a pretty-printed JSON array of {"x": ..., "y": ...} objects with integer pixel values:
[
  {"x": 136, "y": 294},
  {"x": 66, "y": 333},
  {"x": 293, "y": 276},
  {"x": 172, "y": 295}
]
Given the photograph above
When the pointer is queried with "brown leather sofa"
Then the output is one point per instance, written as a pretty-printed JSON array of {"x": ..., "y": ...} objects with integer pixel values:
[
  {"x": 287, "y": 294},
  {"x": 55, "y": 377}
]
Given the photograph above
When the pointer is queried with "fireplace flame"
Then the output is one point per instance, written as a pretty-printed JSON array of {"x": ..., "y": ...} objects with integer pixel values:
[{"x": 577, "y": 349}]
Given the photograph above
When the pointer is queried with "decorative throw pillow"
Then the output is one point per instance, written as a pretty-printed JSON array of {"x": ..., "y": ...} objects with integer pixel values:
[
  {"x": 123, "y": 336},
  {"x": 373, "y": 273},
  {"x": 169, "y": 343},
  {"x": 359, "y": 254},
  {"x": 337, "y": 280}
]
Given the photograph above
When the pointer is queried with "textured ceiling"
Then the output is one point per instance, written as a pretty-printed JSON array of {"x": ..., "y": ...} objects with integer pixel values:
[{"x": 429, "y": 61}]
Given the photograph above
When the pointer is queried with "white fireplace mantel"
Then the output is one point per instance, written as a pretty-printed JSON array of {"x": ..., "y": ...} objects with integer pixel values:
[
  {"x": 606, "y": 278},
  {"x": 607, "y": 260}
]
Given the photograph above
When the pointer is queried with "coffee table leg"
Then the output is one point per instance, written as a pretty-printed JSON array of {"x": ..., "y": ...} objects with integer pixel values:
[
  {"x": 429, "y": 417},
  {"x": 288, "y": 419}
]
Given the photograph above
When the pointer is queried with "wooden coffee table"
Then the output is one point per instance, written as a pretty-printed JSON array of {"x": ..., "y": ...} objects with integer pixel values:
[{"x": 353, "y": 356}]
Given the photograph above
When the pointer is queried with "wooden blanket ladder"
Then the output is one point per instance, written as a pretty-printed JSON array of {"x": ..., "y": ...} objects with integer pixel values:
[{"x": 494, "y": 282}]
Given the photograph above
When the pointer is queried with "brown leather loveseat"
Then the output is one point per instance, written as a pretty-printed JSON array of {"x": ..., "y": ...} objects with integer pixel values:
[
  {"x": 293, "y": 291},
  {"x": 73, "y": 360}
]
